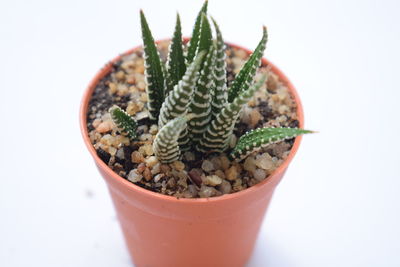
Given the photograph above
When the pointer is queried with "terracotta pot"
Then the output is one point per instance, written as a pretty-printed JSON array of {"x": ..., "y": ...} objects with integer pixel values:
[{"x": 165, "y": 231}]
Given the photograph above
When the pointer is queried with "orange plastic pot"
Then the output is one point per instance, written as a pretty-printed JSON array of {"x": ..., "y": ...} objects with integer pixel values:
[{"x": 163, "y": 231}]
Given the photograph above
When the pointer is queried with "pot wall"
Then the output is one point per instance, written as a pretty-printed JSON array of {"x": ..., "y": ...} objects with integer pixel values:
[{"x": 179, "y": 233}]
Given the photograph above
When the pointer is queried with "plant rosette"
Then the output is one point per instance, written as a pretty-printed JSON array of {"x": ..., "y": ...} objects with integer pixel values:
[{"x": 191, "y": 173}]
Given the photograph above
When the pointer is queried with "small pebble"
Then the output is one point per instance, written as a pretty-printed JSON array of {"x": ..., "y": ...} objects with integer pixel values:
[
  {"x": 195, "y": 175},
  {"x": 133, "y": 108},
  {"x": 246, "y": 118},
  {"x": 255, "y": 117},
  {"x": 207, "y": 191},
  {"x": 122, "y": 89},
  {"x": 156, "y": 168},
  {"x": 212, "y": 180},
  {"x": 153, "y": 129},
  {"x": 107, "y": 139},
  {"x": 220, "y": 173},
  {"x": 134, "y": 177},
  {"x": 264, "y": 161},
  {"x": 112, "y": 150},
  {"x": 178, "y": 165},
  {"x": 151, "y": 161},
  {"x": 141, "y": 167},
  {"x": 112, "y": 88},
  {"x": 143, "y": 97},
  {"x": 171, "y": 182},
  {"x": 146, "y": 149},
  {"x": 137, "y": 157},
  {"x": 120, "y": 75},
  {"x": 224, "y": 162},
  {"x": 96, "y": 123},
  {"x": 283, "y": 109},
  {"x": 141, "y": 85},
  {"x": 216, "y": 161},
  {"x": 120, "y": 153},
  {"x": 207, "y": 166},
  {"x": 165, "y": 168},
  {"x": 141, "y": 115},
  {"x": 250, "y": 164},
  {"x": 237, "y": 185},
  {"x": 259, "y": 174},
  {"x": 147, "y": 174},
  {"x": 231, "y": 173},
  {"x": 146, "y": 137},
  {"x": 192, "y": 188},
  {"x": 158, "y": 177},
  {"x": 225, "y": 187},
  {"x": 104, "y": 127}
]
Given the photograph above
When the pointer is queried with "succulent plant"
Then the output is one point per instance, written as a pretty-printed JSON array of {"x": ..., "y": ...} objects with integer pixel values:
[{"x": 189, "y": 99}]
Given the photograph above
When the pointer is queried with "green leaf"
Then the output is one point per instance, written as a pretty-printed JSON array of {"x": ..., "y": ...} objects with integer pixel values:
[
  {"x": 248, "y": 71},
  {"x": 176, "y": 61},
  {"x": 200, "y": 105},
  {"x": 165, "y": 146},
  {"x": 123, "y": 121},
  {"x": 219, "y": 131},
  {"x": 219, "y": 92},
  {"x": 205, "y": 41},
  {"x": 193, "y": 44},
  {"x": 153, "y": 70},
  {"x": 177, "y": 102},
  {"x": 259, "y": 138}
]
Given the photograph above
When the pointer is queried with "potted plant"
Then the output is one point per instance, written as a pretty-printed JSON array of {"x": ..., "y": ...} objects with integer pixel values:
[{"x": 190, "y": 147}]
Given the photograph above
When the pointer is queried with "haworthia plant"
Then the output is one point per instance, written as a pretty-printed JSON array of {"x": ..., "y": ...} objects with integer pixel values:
[
  {"x": 177, "y": 102},
  {"x": 123, "y": 121},
  {"x": 196, "y": 84},
  {"x": 166, "y": 146},
  {"x": 217, "y": 135},
  {"x": 258, "y": 138},
  {"x": 153, "y": 70}
]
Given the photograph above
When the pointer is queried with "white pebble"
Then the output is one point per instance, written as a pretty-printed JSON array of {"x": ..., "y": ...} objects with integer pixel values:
[
  {"x": 259, "y": 174},
  {"x": 158, "y": 177},
  {"x": 134, "y": 177},
  {"x": 153, "y": 129},
  {"x": 120, "y": 153},
  {"x": 264, "y": 161},
  {"x": 156, "y": 169},
  {"x": 206, "y": 191},
  {"x": 141, "y": 115},
  {"x": 146, "y": 137},
  {"x": 212, "y": 180}
]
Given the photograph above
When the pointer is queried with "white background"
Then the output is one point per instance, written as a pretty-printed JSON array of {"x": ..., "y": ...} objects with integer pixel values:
[{"x": 339, "y": 202}]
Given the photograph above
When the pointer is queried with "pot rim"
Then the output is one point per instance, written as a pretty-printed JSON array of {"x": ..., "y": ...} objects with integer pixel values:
[{"x": 131, "y": 186}]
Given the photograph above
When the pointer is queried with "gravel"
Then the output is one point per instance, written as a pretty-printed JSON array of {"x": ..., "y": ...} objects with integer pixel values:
[{"x": 194, "y": 175}]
